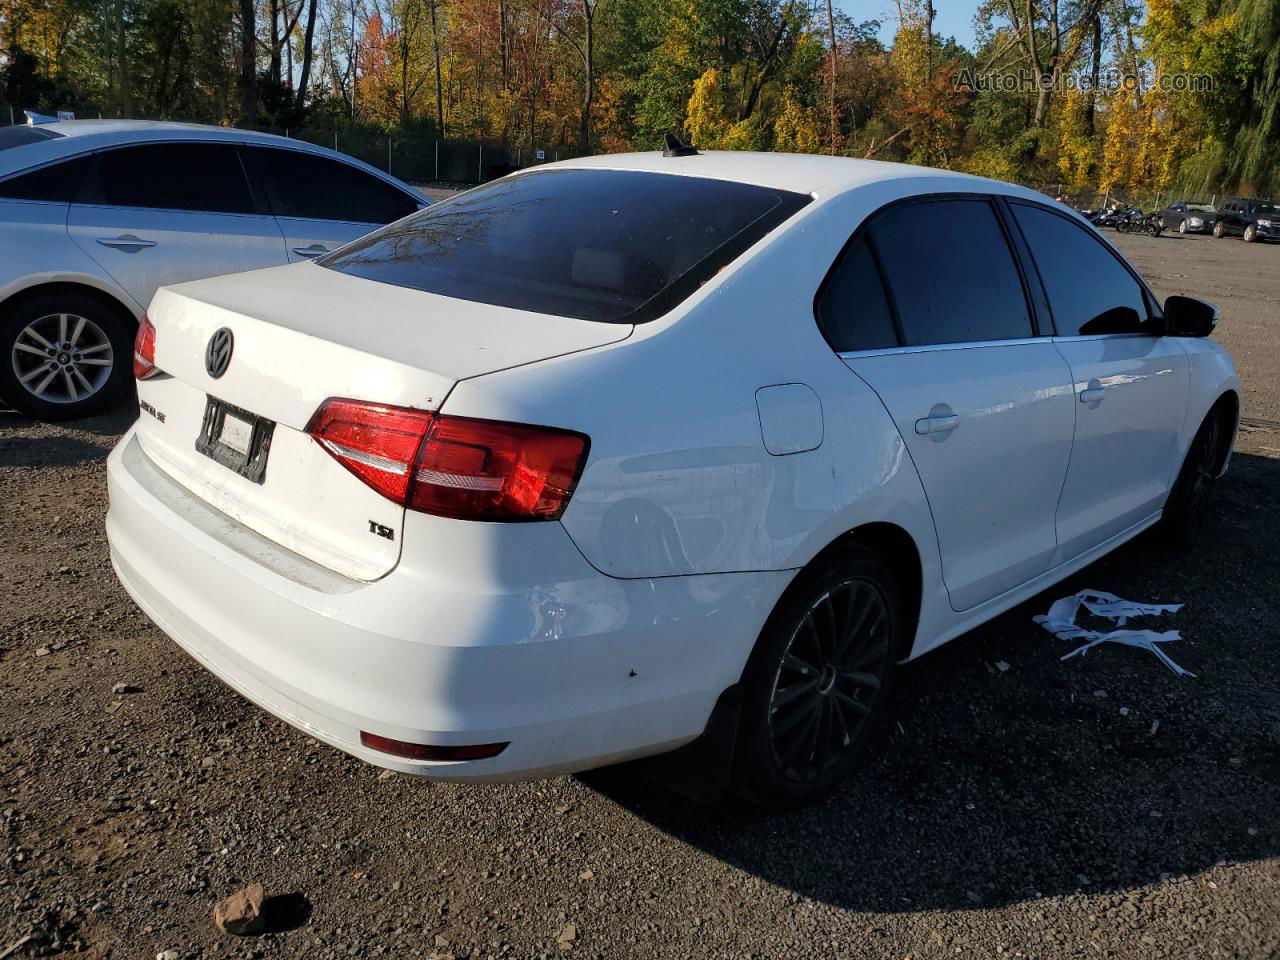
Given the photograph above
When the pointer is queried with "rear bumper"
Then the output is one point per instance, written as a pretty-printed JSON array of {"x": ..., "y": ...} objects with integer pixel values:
[{"x": 516, "y": 639}]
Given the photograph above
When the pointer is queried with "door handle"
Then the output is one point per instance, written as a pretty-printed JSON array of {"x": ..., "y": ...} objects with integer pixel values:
[
  {"x": 312, "y": 251},
  {"x": 126, "y": 241},
  {"x": 1093, "y": 392},
  {"x": 937, "y": 424}
]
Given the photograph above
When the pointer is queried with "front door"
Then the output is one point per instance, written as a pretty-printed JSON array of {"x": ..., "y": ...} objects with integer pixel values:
[
  {"x": 163, "y": 213},
  {"x": 983, "y": 405},
  {"x": 1130, "y": 385}
]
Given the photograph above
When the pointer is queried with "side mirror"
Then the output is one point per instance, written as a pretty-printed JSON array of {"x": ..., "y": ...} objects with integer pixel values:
[{"x": 1189, "y": 317}]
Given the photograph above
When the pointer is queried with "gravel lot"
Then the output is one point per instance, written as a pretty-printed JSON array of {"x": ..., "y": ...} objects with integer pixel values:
[{"x": 1094, "y": 807}]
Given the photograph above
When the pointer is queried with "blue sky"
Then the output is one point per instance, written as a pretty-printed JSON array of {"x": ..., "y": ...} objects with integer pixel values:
[{"x": 952, "y": 18}]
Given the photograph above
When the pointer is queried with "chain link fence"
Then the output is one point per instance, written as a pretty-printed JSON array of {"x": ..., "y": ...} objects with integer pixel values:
[{"x": 414, "y": 159}]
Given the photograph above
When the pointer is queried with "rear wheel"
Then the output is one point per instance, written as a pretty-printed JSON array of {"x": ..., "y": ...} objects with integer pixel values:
[
  {"x": 63, "y": 355},
  {"x": 1218, "y": 230},
  {"x": 1188, "y": 504},
  {"x": 819, "y": 681}
]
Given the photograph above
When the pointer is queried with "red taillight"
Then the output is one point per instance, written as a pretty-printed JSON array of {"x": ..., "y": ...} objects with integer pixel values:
[
  {"x": 144, "y": 350},
  {"x": 375, "y": 442},
  {"x": 454, "y": 466},
  {"x": 426, "y": 751}
]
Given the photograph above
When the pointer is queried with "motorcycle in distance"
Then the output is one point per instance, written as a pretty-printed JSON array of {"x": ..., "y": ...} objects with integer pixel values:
[{"x": 1134, "y": 220}]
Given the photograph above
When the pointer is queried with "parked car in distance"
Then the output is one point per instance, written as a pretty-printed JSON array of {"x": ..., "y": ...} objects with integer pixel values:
[
  {"x": 627, "y": 452},
  {"x": 1250, "y": 219},
  {"x": 95, "y": 215},
  {"x": 1188, "y": 217}
]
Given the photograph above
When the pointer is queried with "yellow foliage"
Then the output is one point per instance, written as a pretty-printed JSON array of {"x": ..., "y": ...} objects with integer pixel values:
[
  {"x": 989, "y": 162},
  {"x": 797, "y": 129},
  {"x": 1075, "y": 145},
  {"x": 704, "y": 117}
]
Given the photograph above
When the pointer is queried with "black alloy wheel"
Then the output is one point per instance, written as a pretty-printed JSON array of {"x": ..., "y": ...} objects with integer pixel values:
[
  {"x": 818, "y": 684},
  {"x": 1188, "y": 505}
]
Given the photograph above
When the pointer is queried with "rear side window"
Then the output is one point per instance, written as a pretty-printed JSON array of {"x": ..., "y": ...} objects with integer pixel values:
[
  {"x": 203, "y": 177},
  {"x": 1090, "y": 291},
  {"x": 57, "y": 183},
  {"x": 311, "y": 187},
  {"x": 950, "y": 272},
  {"x": 609, "y": 245},
  {"x": 22, "y": 134},
  {"x": 853, "y": 311}
]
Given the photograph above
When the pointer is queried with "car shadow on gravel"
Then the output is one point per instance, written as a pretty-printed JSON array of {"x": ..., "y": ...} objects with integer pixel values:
[
  {"x": 1041, "y": 777},
  {"x": 112, "y": 423}
]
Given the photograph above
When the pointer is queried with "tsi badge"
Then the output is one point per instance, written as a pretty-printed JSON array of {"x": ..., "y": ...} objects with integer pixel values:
[{"x": 381, "y": 530}]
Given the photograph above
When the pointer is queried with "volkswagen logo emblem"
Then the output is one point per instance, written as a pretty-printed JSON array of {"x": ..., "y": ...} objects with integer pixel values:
[{"x": 217, "y": 355}]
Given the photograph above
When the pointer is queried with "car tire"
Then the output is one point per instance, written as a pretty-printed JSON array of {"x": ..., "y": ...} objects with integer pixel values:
[
  {"x": 818, "y": 684},
  {"x": 1188, "y": 504},
  {"x": 86, "y": 373},
  {"x": 1182, "y": 226},
  {"x": 1250, "y": 233},
  {"x": 1217, "y": 230}
]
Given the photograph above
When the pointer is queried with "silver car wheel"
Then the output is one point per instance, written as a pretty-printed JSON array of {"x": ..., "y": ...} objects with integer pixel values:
[{"x": 62, "y": 358}]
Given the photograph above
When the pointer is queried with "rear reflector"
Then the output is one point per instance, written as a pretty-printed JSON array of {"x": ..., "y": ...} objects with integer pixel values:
[
  {"x": 453, "y": 466},
  {"x": 425, "y": 751},
  {"x": 144, "y": 350}
]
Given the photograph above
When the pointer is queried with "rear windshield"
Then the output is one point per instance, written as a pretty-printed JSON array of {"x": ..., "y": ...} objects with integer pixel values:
[
  {"x": 609, "y": 245},
  {"x": 22, "y": 134}
]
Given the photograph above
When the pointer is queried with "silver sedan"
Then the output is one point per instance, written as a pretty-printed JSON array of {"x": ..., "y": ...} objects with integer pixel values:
[{"x": 95, "y": 215}]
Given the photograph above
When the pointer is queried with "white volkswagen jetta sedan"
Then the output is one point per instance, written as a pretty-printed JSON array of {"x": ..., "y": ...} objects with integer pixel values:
[
  {"x": 578, "y": 465},
  {"x": 96, "y": 214}
]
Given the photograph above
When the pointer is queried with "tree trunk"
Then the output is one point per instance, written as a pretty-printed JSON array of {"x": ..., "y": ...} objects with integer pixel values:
[
  {"x": 248, "y": 65},
  {"x": 766, "y": 66},
  {"x": 588, "y": 92},
  {"x": 928, "y": 41},
  {"x": 304, "y": 77},
  {"x": 505, "y": 44},
  {"x": 122, "y": 58},
  {"x": 1095, "y": 73},
  {"x": 274, "y": 68},
  {"x": 435, "y": 49},
  {"x": 831, "y": 42}
]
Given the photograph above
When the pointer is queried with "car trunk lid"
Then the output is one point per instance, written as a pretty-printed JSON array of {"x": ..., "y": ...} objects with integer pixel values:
[{"x": 298, "y": 336}]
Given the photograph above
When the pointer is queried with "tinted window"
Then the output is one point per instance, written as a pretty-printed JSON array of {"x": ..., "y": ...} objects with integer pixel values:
[
  {"x": 58, "y": 182},
  {"x": 317, "y": 188},
  {"x": 608, "y": 245},
  {"x": 22, "y": 134},
  {"x": 853, "y": 312},
  {"x": 950, "y": 272},
  {"x": 1089, "y": 290},
  {"x": 205, "y": 177}
]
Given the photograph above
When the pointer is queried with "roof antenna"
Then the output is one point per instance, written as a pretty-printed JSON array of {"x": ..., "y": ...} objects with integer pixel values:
[{"x": 674, "y": 148}]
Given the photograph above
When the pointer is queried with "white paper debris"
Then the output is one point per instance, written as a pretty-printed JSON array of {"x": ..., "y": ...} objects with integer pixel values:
[{"x": 1061, "y": 622}]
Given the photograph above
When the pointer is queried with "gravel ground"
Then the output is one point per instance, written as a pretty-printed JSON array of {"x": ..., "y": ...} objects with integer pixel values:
[{"x": 1094, "y": 807}]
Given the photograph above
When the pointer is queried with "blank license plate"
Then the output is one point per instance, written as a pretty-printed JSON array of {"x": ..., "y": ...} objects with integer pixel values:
[
  {"x": 236, "y": 438},
  {"x": 236, "y": 433}
]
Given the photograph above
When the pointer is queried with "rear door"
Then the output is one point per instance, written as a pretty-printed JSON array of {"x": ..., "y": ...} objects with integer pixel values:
[
  {"x": 928, "y": 307},
  {"x": 321, "y": 202},
  {"x": 160, "y": 213},
  {"x": 1130, "y": 385}
]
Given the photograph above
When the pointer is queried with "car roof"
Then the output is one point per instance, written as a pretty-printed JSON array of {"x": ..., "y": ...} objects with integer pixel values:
[
  {"x": 81, "y": 136},
  {"x": 132, "y": 130},
  {"x": 802, "y": 173}
]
